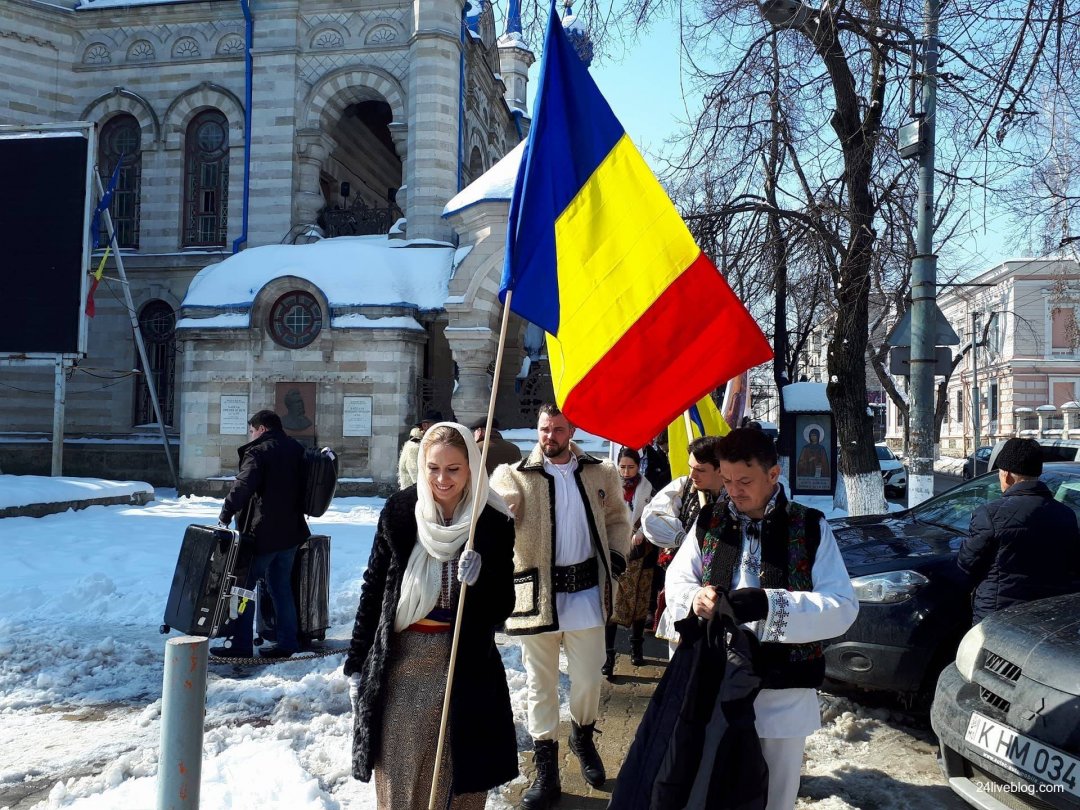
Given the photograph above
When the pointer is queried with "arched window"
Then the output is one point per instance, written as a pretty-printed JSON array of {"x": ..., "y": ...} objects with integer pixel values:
[
  {"x": 476, "y": 164},
  {"x": 157, "y": 322},
  {"x": 121, "y": 141},
  {"x": 206, "y": 179}
]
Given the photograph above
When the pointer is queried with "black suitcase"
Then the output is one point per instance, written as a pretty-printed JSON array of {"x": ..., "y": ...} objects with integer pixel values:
[
  {"x": 205, "y": 581},
  {"x": 311, "y": 595},
  {"x": 320, "y": 481}
]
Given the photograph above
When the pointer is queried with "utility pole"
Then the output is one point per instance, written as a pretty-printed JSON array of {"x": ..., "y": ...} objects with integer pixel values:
[
  {"x": 924, "y": 281},
  {"x": 975, "y": 404}
]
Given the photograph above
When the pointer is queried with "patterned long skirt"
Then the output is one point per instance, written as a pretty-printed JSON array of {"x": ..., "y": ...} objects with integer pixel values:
[{"x": 415, "y": 685}]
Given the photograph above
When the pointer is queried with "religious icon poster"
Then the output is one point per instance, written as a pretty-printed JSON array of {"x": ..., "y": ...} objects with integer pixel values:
[{"x": 815, "y": 455}]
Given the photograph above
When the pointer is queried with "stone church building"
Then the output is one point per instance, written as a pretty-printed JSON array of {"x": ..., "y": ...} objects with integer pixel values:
[{"x": 283, "y": 220}]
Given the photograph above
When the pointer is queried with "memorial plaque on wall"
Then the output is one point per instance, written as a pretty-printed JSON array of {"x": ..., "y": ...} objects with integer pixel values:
[
  {"x": 356, "y": 416},
  {"x": 295, "y": 404},
  {"x": 234, "y": 415}
]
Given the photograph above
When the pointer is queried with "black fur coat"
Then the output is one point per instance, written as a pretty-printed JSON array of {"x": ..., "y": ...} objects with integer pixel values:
[{"x": 483, "y": 744}]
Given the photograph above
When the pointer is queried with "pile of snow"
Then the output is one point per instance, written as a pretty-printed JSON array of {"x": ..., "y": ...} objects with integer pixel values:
[{"x": 18, "y": 490}]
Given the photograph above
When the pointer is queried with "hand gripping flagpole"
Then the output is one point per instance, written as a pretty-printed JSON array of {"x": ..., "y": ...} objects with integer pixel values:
[{"x": 479, "y": 498}]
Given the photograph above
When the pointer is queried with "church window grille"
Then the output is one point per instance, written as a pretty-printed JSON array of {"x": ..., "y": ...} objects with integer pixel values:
[
  {"x": 295, "y": 320},
  {"x": 206, "y": 180},
  {"x": 157, "y": 322},
  {"x": 121, "y": 141}
]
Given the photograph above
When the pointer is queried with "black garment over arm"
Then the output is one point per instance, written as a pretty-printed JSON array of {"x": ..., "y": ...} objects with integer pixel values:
[{"x": 371, "y": 599}]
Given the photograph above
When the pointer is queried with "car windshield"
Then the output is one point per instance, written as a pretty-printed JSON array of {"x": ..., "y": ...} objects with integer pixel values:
[
  {"x": 953, "y": 509},
  {"x": 884, "y": 453}
]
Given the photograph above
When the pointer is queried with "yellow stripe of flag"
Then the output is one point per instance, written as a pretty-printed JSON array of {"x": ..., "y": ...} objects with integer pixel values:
[{"x": 620, "y": 243}]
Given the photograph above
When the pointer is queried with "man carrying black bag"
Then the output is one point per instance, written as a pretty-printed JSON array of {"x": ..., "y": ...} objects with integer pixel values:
[
  {"x": 697, "y": 746},
  {"x": 266, "y": 499}
]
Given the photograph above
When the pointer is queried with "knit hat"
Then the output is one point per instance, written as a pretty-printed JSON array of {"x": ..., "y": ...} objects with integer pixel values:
[
  {"x": 1021, "y": 457},
  {"x": 477, "y": 424}
]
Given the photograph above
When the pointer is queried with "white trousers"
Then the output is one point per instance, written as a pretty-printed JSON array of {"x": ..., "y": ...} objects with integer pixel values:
[
  {"x": 584, "y": 657},
  {"x": 784, "y": 756}
]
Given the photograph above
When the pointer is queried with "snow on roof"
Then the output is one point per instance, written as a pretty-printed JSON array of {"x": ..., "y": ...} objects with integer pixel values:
[
  {"x": 806, "y": 397},
  {"x": 114, "y": 3},
  {"x": 349, "y": 270},
  {"x": 226, "y": 320},
  {"x": 494, "y": 185},
  {"x": 355, "y": 320}
]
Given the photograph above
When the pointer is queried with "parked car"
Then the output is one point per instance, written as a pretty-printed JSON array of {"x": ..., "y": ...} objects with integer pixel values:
[
  {"x": 892, "y": 470},
  {"x": 914, "y": 602},
  {"x": 1052, "y": 450},
  {"x": 1007, "y": 713},
  {"x": 977, "y": 463}
]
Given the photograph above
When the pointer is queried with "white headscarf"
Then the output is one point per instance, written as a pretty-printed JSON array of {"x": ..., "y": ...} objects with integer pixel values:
[{"x": 438, "y": 544}]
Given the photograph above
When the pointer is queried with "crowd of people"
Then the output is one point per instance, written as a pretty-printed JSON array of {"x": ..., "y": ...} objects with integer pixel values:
[{"x": 566, "y": 547}]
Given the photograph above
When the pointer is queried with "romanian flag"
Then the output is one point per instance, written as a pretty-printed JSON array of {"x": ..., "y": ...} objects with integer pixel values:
[
  {"x": 95, "y": 277},
  {"x": 705, "y": 420},
  {"x": 640, "y": 323}
]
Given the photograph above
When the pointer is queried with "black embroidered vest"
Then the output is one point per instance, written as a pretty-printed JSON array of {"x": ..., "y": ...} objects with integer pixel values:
[{"x": 790, "y": 536}]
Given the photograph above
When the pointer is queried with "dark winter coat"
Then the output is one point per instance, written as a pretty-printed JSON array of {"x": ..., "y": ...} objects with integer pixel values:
[
  {"x": 1021, "y": 547},
  {"x": 500, "y": 451},
  {"x": 266, "y": 496},
  {"x": 697, "y": 747},
  {"x": 655, "y": 467},
  {"x": 483, "y": 743}
]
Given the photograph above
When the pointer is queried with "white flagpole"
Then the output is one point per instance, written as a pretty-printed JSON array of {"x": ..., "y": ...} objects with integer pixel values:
[{"x": 479, "y": 499}]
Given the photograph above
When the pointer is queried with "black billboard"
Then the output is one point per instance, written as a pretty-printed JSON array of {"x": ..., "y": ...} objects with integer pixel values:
[{"x": 44, "y": 180}]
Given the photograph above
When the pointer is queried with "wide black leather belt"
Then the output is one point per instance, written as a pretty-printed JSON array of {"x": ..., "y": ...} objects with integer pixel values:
[{"x": 578, "y": 577}]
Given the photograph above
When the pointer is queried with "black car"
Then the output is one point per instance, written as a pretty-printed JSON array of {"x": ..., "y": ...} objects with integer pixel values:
[
  {"x": 977, "y": 463},
  {"x": 1007, "y": 713},
  {"x": 914, "y": 603}
]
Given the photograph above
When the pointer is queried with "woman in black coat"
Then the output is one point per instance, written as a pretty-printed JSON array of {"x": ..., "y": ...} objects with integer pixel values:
[{"x": 398, "y": 660}]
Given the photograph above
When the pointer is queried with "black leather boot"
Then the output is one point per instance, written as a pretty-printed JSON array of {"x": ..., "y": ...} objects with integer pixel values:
[
  {"x": 608, "y": 669},
  {"x": 546, "y": 788},
  {"x": 637, "y": 654},
  {"x": 582, "y": 746}
]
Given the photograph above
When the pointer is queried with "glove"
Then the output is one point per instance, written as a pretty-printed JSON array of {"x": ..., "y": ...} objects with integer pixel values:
[
  {"x": 618, "y": 564},
  {"x": 749, "y": 604},
  {"x": 468, "y": 567},
  {"x": 354, "y": 688}
]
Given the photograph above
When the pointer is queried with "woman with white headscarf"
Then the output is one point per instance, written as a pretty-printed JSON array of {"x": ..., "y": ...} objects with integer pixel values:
[{"x": 400, "y": 650}]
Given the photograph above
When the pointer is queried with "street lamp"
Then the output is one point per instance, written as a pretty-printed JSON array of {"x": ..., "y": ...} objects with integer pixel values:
[{"x": 786, "y": 13}]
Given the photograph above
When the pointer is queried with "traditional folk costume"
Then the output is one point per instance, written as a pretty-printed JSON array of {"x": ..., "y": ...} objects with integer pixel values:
[
  {"x": 666, "y": 520},
  {"x": 790, "y": 553},
  {"x": 571, "y": 522},
  {"x": 401, "y": 650}
]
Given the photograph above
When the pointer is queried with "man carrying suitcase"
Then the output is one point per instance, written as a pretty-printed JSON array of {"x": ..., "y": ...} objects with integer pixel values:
[{"x": 266, "y": 500}]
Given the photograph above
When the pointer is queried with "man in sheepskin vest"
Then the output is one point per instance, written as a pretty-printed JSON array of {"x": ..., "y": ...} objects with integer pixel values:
[{"x": 573, "y": 534}]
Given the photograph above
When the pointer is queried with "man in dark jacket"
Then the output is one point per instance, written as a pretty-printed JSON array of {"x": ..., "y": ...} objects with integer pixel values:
[
  {"x": 266, "y": 500},
  {"x": 1025, "y": 545},
  {"x": 500, "y": 451}
]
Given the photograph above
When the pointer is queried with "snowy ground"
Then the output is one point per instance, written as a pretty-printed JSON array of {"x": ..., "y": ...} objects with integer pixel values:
[{"x": 81, "y": 598}]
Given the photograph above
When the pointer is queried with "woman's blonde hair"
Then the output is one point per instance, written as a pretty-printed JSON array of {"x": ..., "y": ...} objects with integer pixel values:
[{"x": 444, "y": 434}]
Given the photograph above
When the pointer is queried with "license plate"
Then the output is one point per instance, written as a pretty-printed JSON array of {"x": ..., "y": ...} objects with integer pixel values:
[{"x": 1023, "y": 755}]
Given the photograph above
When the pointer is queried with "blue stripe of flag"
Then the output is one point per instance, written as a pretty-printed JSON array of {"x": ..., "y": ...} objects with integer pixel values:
[{"x": 573, "y": 131}]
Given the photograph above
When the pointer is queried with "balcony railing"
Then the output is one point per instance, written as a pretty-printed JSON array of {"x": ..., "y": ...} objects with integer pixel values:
[{"x": 359, "y": 219}]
